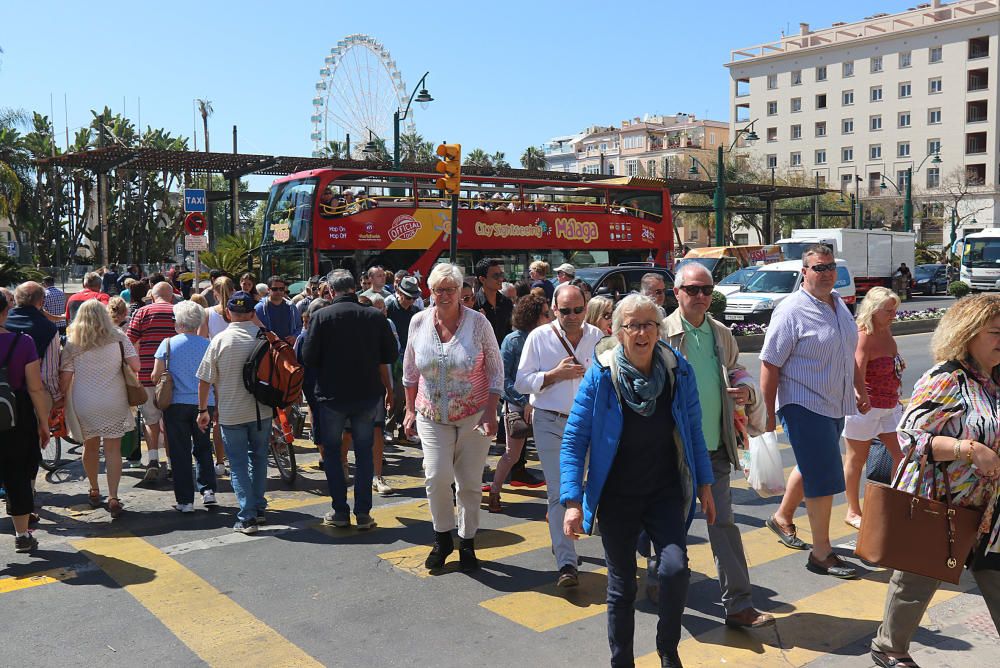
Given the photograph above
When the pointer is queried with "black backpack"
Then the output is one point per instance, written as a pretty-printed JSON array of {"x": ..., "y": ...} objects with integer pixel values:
[{"x": 8, "y": 400}]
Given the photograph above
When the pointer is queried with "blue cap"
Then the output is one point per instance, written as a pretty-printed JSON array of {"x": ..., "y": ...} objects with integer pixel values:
[{"x": 241, "y": 302}]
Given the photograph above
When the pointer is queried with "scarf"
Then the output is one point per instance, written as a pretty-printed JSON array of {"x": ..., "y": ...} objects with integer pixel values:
[{"x": 638, "y": 391}]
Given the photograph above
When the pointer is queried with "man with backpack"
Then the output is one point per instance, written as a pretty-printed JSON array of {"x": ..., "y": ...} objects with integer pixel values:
[
  {"x": 349, "y": 346},
  {"x": 245, "y": 422}
]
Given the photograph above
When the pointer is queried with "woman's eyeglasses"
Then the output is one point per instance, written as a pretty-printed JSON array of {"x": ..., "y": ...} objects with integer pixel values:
[
  {"x": 576, "y": 310},
  {"x": 693, "y": 290},
  {"x": 639, "y": 327},
  {"x": 444, "y": 291}
]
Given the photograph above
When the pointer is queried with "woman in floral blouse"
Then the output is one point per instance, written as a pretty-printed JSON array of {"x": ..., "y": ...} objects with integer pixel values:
[
  {"x": 952, "y": 419},
  {"x": 453, "y": 377}
]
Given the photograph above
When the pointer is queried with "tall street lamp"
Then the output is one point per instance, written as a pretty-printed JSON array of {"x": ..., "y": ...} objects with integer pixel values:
[
  {"x": 719, "y": 199},
  {"x": 908, "y": 194},
  {"x": 424, "y": 98}
]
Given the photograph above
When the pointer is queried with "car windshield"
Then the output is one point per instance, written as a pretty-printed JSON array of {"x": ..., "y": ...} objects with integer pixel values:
[
  {"x": 925, "y": 270},
  {"x": 772, "y": 281},
  {"x": 740, "y": 276}
]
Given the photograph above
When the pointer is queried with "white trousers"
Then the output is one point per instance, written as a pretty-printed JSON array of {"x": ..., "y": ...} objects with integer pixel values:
[{"x": 548, "y": 429}]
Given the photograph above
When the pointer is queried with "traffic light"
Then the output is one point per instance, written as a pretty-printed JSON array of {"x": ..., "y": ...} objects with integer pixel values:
[{"x": 450, "y": 166}]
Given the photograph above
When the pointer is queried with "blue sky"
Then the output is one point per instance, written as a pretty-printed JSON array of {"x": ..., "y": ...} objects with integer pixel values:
[{"x": 504, "y": 75}]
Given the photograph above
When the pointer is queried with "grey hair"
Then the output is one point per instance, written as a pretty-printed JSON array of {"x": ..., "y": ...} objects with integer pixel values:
[
  {"x": 821, "y": 250},
  {"x": 646, "y": 282},
  {"x": 92, "y": 280},
  {"x": 555, "y": 293},
  {"x": 29, "y": 293},
  {"x": 636, "y": 302},
  {"x": 341, "y": 281},
  {"x": 316, "y": 305},
  {"x": 188, "y": 316},
  {"x": 377, "y": 300},
  {"x": 445, "y": 272},
  {"x": 687, "y": 269}
]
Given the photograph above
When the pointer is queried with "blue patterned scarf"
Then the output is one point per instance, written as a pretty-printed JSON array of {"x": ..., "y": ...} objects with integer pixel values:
[{"x": 638, "y": 391}]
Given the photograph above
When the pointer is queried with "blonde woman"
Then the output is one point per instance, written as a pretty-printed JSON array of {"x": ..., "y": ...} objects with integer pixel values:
[
  {"x": 879, "y": 362},
  {"x": 218, "y": 317},
  {"x": 91, "y": 370},
  {"x": 599, "y": 310},
  {"x": 118, "y": 310}
]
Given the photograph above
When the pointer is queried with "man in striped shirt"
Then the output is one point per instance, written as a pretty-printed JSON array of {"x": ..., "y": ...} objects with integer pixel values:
[{"x": 149, "y": 326}]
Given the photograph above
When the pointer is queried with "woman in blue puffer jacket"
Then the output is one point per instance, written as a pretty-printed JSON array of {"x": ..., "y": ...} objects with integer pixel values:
[{"x": 638, "y": 418}]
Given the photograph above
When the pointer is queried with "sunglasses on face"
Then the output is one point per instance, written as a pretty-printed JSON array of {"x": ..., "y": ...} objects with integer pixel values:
[
  {"x": 820, "y": 268},
  {"x": 606, "y": 316},
  {"x": 694, "y": 290},
  {"x": 577, "y": 310},
  {"x": 277, "y": 289},
  {"x": 495, "y": 276},
  {"x": 467, "y": 298}
]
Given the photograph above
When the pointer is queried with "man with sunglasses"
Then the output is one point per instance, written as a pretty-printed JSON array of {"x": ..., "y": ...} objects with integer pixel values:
[
  {"x": 808, "y": 373},
  {"x": 723, "y": 384},
  {"x": 277, "y": 314},
  {"x": 553, "y": 362},
  {"x": 652, "y": 286},
  {"x": 489, "y": 300}
]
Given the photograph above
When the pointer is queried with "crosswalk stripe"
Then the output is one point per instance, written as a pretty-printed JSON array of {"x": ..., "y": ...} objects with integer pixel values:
[
  {"x": 212, "y": 625},
  {"x": 547, "y": 607}
]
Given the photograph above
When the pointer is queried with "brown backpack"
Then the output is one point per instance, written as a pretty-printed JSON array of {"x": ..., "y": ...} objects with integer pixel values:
[{"x": 272, "y": 374}]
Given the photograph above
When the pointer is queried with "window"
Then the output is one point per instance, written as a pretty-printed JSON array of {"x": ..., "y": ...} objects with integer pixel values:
[
  {"x": 933, "y": 116},
  {"x": 796, "y": 77},
  {"x": 905, "y": 89},
  {"x": 934, "y": 54},
  {"x": 795, "y": 159},
  {"x": 772, "y": 81},
  {"x": 772, "y": 108},
  {"x": 821, "y": 73},
  {"x": 933, "y": 146},
  {"x": 848, "y": 98},
  {"x": 901, "y": 178},
  {"x": 975, "y": 142},
  {"x": 875, "y": 123},
  {"x": 979, "y": 79},
  {"x": 904, "y": 59},
  {"x": 821, "y": 101},
  {"x": 847, "y": 69},
  {"x": 772, "y": 134},
  {"x": 821, "y": 129},
  {"x": 604, "y": 147},
  {"x": 847, "y": 126},
  {"x": 876, "y": 94},
  {"x": 903, "y": 149},
  {"x": 979, "y": 47},
  {"x": 631, "y": 167},
  {"x": 796, "y": 132},
  {"x": 847, "y": 154},
  {"x": 934, "y": 85},
  {"x": 846, "y": 180},
  {"x": 741, "y": 238},
  {"x": 875, "y": 152},
  {"x": 635, "y": 141},
  {"x": 821, "y": 156},
  {"x": 933, "y": 177},
  {"x": 876, "y": 64},
  {"x": 904, "y": 119},
  {"x": 651, "y": 168},
  {"x": 796, "y": 104},
  {"x": 772, "y": 160}
]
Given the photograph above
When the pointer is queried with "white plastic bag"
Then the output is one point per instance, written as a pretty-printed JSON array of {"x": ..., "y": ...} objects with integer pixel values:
[{"x": 767, "y": 475}]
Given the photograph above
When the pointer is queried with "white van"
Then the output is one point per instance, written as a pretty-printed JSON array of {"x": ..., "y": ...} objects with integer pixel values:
[{"x": 774, "y": 282}]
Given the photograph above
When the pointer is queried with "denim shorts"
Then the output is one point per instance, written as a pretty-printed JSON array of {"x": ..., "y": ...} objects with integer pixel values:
[{"x": 815, "y": 441}]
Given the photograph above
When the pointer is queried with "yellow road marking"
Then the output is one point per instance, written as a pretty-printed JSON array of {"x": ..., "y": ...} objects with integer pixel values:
[
  {"x": 19, "y": 582},
  {"x": 213, "y": 626}
]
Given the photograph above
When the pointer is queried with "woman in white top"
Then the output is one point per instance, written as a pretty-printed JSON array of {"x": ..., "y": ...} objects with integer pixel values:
[{"x": 216, "y": 322}]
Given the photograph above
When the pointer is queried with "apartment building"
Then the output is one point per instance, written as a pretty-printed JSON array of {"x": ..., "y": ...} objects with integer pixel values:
[{"x": 859, "y": 103}]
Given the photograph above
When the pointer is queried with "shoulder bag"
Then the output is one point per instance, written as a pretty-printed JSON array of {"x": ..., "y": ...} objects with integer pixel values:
[
  {"x": 163, "y": 395},
  {"x": 569, "y": 351},
  {"x": 134, "y": 390}
]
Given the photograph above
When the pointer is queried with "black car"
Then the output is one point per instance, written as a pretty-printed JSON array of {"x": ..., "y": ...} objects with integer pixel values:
[
  {"x": 621, "y": 280},
  {"x": 930, "y": 279}
]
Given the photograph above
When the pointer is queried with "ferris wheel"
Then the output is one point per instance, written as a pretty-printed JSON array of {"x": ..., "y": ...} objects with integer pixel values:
[{"x": 358, "y": 91}]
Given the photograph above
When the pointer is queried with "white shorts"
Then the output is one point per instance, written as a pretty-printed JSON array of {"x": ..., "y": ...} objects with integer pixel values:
[
  {"x": 871, "y": 424},
  {"x": 150, "y": 413}
]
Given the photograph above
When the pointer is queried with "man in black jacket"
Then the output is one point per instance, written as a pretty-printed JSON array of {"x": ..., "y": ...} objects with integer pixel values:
[{"x": 349, "y": 346}]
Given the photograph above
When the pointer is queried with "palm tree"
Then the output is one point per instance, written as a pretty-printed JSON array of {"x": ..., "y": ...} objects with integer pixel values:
[
  {"x": 205, "y": 109},
  {"x": 533, "y": 158},
  {"x": 499, "y": 161},
  {"x": 335, "y": 149},
  {"x": 13, "y": 170},
  {"x": 477, "y": 157},
  {"x": 414, "y": 148}
]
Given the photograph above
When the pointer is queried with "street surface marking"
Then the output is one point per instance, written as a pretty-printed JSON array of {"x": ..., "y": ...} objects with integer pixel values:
[
  {"x": 213, "y": 626},
  {"x": 231, "y": 538},
  {"x": 50, "y": 576}
]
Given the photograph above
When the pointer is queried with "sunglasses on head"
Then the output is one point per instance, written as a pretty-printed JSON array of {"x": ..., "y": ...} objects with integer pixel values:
[
  {"x": 576, "y": 309},
  {"x": 820, "y": 268},
  {"x": 693, "y": 290}
]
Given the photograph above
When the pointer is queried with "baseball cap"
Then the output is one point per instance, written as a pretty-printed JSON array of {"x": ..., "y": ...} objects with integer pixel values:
[
  {"x": 566, "y": 268},
  {"x": 240, "y": 302},
  {"x": 410, "y": 287}
]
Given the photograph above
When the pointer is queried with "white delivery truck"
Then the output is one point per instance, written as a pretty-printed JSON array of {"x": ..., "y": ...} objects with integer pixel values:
[
  {"x": 980, "y": 253},
  {"x": 872, "y": 255}
]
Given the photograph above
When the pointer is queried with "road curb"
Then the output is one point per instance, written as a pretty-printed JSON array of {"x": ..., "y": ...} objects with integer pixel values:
[{"x": 753, "y": 343}]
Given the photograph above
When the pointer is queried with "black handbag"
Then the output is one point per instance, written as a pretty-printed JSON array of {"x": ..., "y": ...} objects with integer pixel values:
[{"x": 879, "y": 467}]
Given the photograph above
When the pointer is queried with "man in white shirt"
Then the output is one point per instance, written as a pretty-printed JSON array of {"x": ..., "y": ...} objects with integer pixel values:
[{"x": 553, "y": 362}]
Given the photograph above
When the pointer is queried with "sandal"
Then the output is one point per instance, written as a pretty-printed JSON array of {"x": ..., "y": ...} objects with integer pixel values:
[
  {"x": 94, "y": 498},
  {"x": 494, "y": 504},
  {"x": 788, "y": 539},
  {"x": 115, "y": 507},
  {"x": 886, "y": 661},
  {"x": 854, "y": 523}
]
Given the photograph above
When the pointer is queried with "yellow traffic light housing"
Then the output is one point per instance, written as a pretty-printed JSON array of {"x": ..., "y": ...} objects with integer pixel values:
[{"x": 450, "y": 167}]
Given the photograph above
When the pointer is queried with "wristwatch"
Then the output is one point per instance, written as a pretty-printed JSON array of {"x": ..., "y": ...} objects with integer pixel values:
[{"x": 202, "y": 410}]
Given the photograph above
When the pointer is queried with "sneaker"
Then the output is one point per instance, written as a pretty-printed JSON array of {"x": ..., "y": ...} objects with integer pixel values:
[
  {"x": 364, "y": 522},
  {"x": 208, "y": 498},
  {"x": 184, "y": 507},
  {"x": 166, "y": 473},
  {"x": 522, "y": 477},
  {"x": 248, "y": 528},
  {"x": 25, "y": 543},
  {"x": 220, "y": 469},
  {"x": 337, "y": 519},
  {"x": 381, "y": 486},
  {"x": 131, "y": 465},
  {"x": 413, "y": 440},
  {"x": 152, "y": 472},
  {"x": 568, "y": 576},
  {"x": 261, "y": 518}
]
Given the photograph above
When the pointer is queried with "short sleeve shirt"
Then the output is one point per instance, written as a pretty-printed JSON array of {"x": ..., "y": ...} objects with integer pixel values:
[
  {"x": 23, "y": 355},
  {"x": 186, "y": 353},
  {"x": 222, "y": 366},
  {"x": 699, "y": 348}
]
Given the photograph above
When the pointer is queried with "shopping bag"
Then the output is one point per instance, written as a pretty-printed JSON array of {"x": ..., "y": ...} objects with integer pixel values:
[
  {"x": 767, "y": 475},
  {"x": 879, "y": 467}
]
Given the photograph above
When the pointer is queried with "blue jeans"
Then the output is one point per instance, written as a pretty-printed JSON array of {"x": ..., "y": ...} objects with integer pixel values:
[
  {"x": 246, "y": 447},
  {"x": 362, "y": 416},
  {"x": 621, "y": 519},
  {"x": 185, "y": 438}
]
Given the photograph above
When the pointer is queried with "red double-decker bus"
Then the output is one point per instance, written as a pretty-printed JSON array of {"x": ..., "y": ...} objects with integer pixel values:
[{"x": 323, "y": 219}]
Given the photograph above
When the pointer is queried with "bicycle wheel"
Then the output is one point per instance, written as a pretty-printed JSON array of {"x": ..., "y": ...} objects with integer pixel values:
[
  {"x": 52, "y": 454},
  {"x": 283, "y": 456}
]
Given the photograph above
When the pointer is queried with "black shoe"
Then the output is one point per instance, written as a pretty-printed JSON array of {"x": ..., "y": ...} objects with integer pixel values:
[
  {"x": 498, "y": 450},
  {"x": 672, "y": 660},
  {"x": 568, "y": 576},
  {"x": 522, "y": 477},
  {"x": 25, "y": 543},
  {"x": 467, "y": 555},
  {"x": 443, "y": 546}
]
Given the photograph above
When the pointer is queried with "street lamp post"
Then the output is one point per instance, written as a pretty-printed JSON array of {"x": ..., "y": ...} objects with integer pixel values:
[
  {"x": 907, "y": 190},
  {"x": 423, "y": 98},
  {"x": 719, "y": 198}
]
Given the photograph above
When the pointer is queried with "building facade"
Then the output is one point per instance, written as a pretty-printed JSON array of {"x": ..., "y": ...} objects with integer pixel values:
[{"x": 857, "y": 104}]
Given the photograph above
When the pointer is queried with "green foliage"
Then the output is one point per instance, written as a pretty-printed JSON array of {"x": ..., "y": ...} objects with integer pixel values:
[
  {"x": 12, "y": 273},
  {"x": 718, "y": 304},
  {"x": 533, "y": 158},
  {"x": 477, "y": 157},
  {"x": 414, "y": 148},
  {"x": 958, "y": 289},
  {"x": 231, "y": 252}
]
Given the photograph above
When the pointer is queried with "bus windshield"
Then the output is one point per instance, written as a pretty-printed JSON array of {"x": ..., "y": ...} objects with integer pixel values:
[
  {"x": 289, "y": 212},
  {"x": 981, "y": 253}
]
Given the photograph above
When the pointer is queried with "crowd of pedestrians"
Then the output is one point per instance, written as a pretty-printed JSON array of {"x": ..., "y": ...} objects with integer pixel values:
[{"x": 637, "y": 416}]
